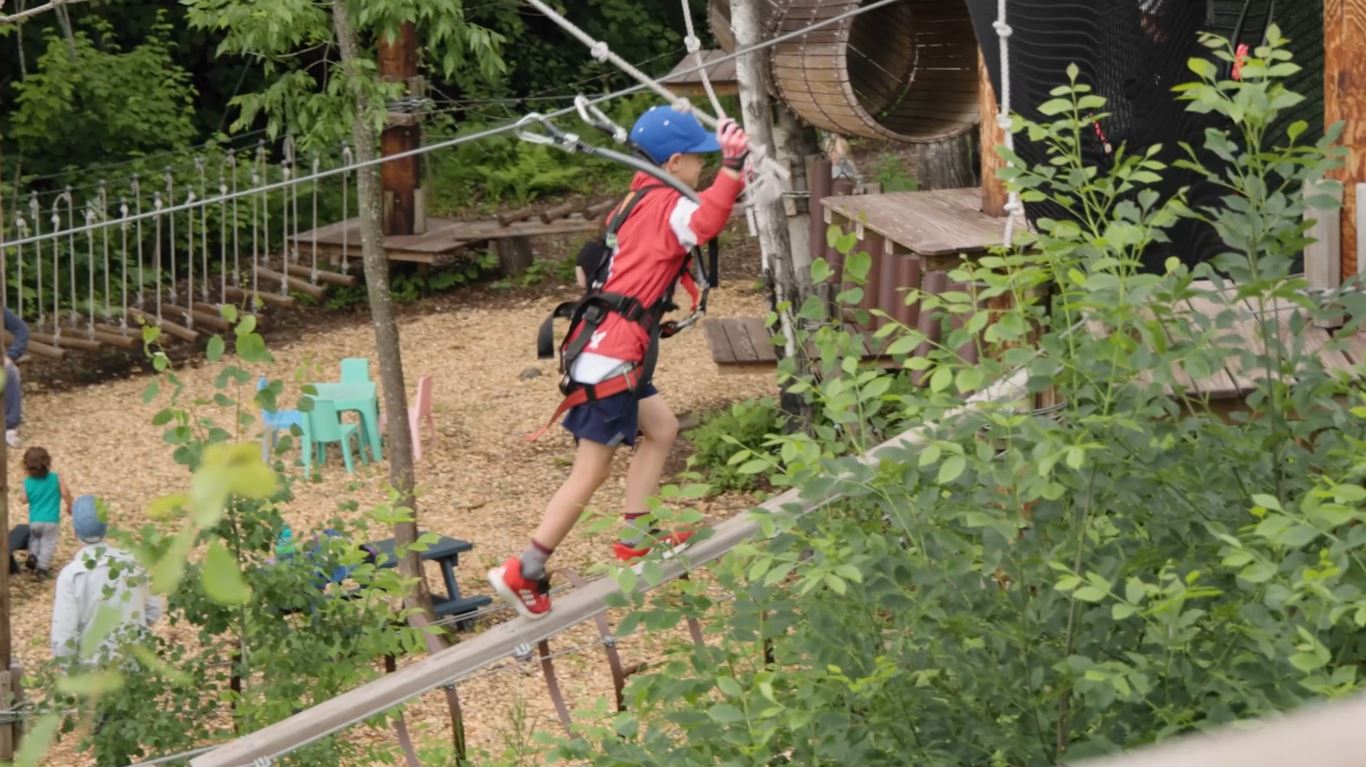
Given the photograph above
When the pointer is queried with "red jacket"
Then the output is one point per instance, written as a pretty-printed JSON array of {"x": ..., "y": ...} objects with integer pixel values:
[{"x": 651, "y": 246}]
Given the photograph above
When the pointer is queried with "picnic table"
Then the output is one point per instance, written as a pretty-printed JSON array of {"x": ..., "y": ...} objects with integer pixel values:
[
  {"x": 359, "y": 397},
  {"x": 446, "y": 553}
]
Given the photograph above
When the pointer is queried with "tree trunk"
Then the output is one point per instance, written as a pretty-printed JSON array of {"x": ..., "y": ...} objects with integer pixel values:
[
  {"x": 945, "y": 164},
  {"x": 376, "y": 264},
  {"x": 775, "y": 247}
]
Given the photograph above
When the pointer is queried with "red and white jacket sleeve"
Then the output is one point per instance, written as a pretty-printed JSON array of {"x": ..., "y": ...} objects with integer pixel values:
[{"x": 695, "y": 223}]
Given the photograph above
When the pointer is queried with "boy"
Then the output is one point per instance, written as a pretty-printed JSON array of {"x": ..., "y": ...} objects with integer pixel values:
[{"x": 652, "y": 243}]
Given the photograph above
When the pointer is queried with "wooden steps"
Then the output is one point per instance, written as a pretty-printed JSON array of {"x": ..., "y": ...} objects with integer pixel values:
[
  {"x": 293, "y": 283},
  {"x": 275, "y": 299},
  {"x": 324, "y": 275}
]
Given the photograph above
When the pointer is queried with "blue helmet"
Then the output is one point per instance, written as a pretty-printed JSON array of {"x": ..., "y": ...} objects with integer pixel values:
[{"x": 663, "y": 132}]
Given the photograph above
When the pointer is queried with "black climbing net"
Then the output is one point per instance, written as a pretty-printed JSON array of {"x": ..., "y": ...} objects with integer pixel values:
[{"x": 1132, "y": 52}]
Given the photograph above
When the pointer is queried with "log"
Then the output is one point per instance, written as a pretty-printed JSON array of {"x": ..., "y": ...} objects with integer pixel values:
[
  {"x": 67, "y": 340},
  {"x": 563, "y": 210},
  {"x": 274, "y": 299},
  {"x": 167, "y": 327},
  {"x": 330, "y": 277},
  {"x": 104, "y": 337},
  {"x": 599, "y": 209},
  {"x": 514, "y": 255},
  {"x": 513, "y": 216},
  {"x": 210, "y": 319},
  {"x": 37, "y": 347},
  {"x": 294, "y": 283}
]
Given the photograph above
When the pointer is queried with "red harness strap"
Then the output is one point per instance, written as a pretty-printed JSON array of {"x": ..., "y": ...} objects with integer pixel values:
[{"x": 585, "y": 393}]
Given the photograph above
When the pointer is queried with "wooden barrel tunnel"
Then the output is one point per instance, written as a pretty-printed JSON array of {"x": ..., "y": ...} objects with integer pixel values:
[{"x": 906, "y": 71}]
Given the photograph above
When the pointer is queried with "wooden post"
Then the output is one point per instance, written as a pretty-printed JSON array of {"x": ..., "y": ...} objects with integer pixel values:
[
  {"x": 514, "y": 255},
  {"x": 1344, "y": 99},
  {"x": 399, "y": 179},
  {"x": 774, "y": 244},
  {"x": 993, "y": 189}
]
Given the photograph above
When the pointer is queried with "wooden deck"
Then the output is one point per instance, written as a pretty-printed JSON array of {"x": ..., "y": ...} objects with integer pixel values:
[
  {"x": 440, "y": 243},
  {"x": 937, "y": 225}
]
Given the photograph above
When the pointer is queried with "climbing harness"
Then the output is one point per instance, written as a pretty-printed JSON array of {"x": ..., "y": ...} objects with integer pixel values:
[{"x": 588, "y": 313}]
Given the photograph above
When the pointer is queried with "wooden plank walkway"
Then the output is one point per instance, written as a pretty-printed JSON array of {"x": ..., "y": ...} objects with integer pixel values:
[{"x": 743, "y": 345}]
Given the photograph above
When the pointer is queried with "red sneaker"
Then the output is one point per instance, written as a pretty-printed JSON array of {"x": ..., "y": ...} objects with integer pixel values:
[
  {"x": 675, "y": 542},
  {"x": 531, "y": 598}
]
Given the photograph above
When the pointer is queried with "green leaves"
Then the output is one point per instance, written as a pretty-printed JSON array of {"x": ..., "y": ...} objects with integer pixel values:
[{"x": 222, "y": 578}]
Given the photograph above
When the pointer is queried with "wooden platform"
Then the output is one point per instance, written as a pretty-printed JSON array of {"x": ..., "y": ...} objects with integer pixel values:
[
  {"x": 936, "y": 225},
  {"x": 439, "y": 244},
  {"x": 721, "y": 75},
  {"x": 742, "y": 345}
]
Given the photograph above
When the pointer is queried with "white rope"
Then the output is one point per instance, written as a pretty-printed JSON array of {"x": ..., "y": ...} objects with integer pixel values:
[
  {"x": 56, "y": 219},
  {"x": 104, "y": 212},
  {"x": 265, "y": 225},
  {"x": 204, "y": 233},
  {"x": 255, "y": 203},
  {"x": 123, "y": 294},
  {"x": 313, "y": 274},
  {"x": 189, "y": 283},
  {"x": 346, "y": 229},
  {"x": 22, "y": 226},
  {"x": 1003, "y": 32},
  {"x": 287, "y": 171},
  {"x": 223, "y": 234},
  {"x": 90, "y": 272},
  {"x": 37, "y": 252},
  {"x": 236, "y": 250},
  {"x": 156, "y": 203},
  {"x": 170, "y": 198},
  {"x": 694, "y": 46},
  {"x": 71, "y": 263},
  {"x": 137, "y": 199}
]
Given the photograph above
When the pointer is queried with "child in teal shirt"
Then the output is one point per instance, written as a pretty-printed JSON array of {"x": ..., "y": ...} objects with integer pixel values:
[{"x": 44, "y": 492}]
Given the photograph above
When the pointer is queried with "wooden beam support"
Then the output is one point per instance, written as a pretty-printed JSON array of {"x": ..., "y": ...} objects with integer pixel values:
[
  {"x": 324, "y": 275},
  {"x": 993, "y": 189},
  {"x": 580, "y": 605},
  {"x": 1344, "y": 100}
]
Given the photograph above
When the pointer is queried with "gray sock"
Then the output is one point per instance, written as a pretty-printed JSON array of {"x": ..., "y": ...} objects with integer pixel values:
[
  {"x": 533, "y": 561},
  {"x": 638, "y": 530}
]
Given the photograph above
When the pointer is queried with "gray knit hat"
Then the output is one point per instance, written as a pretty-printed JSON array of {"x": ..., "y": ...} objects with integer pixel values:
[{"x": 87, "y": 519}]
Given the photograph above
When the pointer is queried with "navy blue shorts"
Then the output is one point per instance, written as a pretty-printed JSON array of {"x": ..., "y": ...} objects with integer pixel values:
[{"x": 612, "y": 421}]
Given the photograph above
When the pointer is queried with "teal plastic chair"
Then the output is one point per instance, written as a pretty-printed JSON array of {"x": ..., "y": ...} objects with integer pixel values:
[
  {"x": 355, "y": 370},
  {"x": 322, "y": 428}
]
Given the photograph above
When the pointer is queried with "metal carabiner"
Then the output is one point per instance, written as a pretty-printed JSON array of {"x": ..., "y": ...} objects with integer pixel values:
[
  {"x": 552, "y": 136},
  {"x": 595, "y": 117}
]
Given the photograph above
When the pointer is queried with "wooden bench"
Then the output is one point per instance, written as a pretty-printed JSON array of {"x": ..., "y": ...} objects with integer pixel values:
[{"x": 446, "y": 553}]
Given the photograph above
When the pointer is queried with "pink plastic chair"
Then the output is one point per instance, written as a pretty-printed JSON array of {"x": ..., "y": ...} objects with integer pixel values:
[{"x": 418, "y": 411}]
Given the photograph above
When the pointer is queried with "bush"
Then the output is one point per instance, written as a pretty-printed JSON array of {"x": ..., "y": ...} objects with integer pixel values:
[
  {"x": 743, "y": 428},
  {"x": 1035, "y": 586}
]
